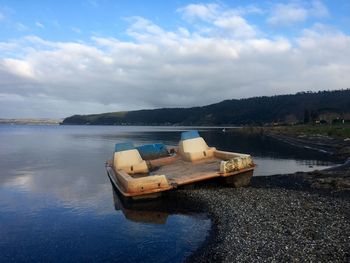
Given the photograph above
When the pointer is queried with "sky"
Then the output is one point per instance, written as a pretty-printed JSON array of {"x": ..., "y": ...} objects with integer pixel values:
[{"x": 59, "y": 58}]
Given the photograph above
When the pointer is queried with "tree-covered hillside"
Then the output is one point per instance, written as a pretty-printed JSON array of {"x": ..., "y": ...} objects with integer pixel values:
[{"x": 301, "y": 107}]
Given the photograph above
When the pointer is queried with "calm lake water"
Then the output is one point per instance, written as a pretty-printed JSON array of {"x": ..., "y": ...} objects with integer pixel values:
[{"x": 57, "y": 203}]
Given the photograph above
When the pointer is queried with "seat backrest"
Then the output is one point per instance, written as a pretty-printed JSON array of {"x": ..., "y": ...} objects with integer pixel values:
[
  {"x": 192, "y": 147},
  {"x": 127, "y": 158}
]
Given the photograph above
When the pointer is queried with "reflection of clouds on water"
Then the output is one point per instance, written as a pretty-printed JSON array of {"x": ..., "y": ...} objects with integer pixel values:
[
  {"x": 48, "y": 164},
  {"x": 78, "y": 192},
  {"x": 36, "y": 196},
  {"x": 71, "y": 184},
  {"x": 23, "y": 180},
  {"x": 55, "y": 196}
]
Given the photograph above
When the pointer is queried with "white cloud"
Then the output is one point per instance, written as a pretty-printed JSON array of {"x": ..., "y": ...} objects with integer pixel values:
[
  {"x": 7, "y": 46},
  {"x": 228, "y": 21},
  {"x": 21, "y": 27},
  {"x": 212, "y": 11},
  {"x": 40, "y": 25},
  {"x": 296, "y": 12},
  {"x": 161, "y": 68},
  {"x": 287, "y": 14},
  {"x": 318, "y": 9},
  {"x": 236, "y": 25},
  {"x": 199, "y": 11},
  {"x": 249, "y": 9},
  {"x": 18, "y": 67}
]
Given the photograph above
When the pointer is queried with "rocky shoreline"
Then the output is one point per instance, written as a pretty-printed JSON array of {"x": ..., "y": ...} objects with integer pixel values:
[
  {"x": 300, "y": 217},
  {"x": 277, "y": 219}
]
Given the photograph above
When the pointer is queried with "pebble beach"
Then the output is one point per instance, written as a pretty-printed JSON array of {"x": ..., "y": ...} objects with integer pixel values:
[{"x": 272, "y": 221}]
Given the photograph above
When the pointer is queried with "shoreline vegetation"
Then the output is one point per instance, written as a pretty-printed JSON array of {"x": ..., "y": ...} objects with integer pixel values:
[{"x": 304, "y": 107}]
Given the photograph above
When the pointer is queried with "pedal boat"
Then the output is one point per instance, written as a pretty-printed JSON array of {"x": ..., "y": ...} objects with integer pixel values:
[{"x": 146, "y": 171}]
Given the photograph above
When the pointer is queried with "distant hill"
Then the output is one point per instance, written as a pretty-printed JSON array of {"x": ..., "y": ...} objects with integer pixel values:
[
  {"x": 300, "y": 107},
  {"x": 31, "y": 121}
]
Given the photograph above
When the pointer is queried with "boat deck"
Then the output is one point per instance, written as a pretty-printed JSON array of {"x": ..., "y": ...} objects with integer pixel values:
[{"x": 182, "y": 172}]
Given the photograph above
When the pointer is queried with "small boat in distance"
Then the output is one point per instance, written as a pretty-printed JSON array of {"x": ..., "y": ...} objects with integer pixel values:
[{"x": 146, "y": 171}]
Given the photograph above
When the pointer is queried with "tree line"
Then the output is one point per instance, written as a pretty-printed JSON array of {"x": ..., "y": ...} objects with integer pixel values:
[{"x": 294, "y": 108}]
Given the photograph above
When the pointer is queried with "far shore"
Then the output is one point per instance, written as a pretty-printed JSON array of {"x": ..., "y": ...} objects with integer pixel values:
[
  {"x": 30, "y": 121},
  {"x": 333, "y": 140}
]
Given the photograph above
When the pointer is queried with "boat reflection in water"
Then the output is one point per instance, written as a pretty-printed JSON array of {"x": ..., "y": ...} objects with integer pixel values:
[
  {"x": 154, "y": 211},
  {"x": 139, "y": 212}
]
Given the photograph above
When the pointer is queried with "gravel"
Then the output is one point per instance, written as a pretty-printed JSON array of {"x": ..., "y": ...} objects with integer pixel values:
[{"x": 273, "y": 223}]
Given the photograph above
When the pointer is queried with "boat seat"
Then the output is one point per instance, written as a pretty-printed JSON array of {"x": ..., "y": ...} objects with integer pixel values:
[
  {"x": 192, "y": 147},
  {"x": 127, "y": 158}
]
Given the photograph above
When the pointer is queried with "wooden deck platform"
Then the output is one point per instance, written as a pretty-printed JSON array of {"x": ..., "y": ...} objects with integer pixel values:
[{"x": 182, "y": 172}]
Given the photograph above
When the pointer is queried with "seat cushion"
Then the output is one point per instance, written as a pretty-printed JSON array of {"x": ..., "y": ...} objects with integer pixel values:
[
  {"x": 123, "y": 146},
  {"x": 152, "y": 151},
  {"x": 189, "y": 135}
]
